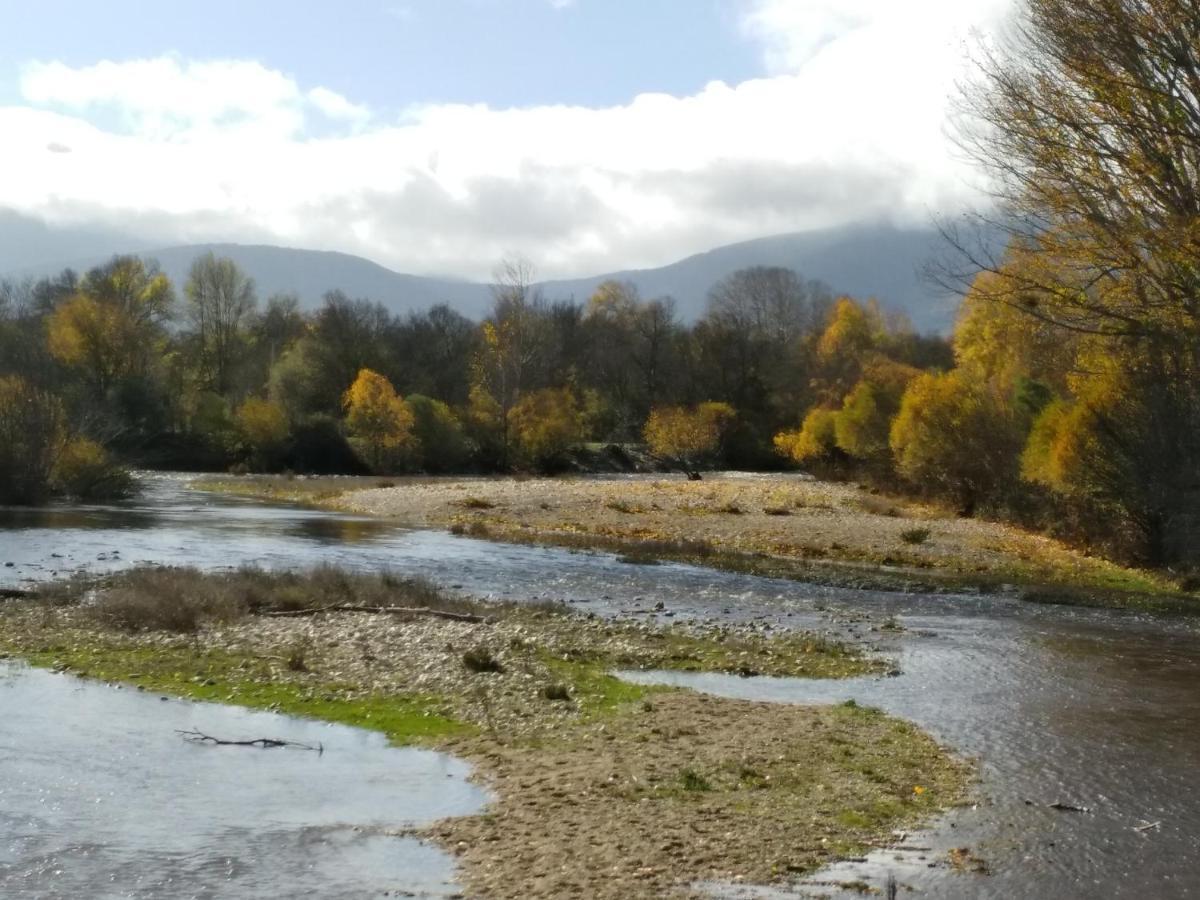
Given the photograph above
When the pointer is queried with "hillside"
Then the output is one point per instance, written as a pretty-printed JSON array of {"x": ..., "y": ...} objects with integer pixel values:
[{"x": 879, "y": 261}]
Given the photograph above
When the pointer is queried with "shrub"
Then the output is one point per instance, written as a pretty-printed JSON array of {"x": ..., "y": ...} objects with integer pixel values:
[
  {"x": 85, "y": 470},
  {"x": 915, "y": 535},
  {"x": 482, "y": 660},
  {"x": 174, "y": 600},
  {"x": 557, "y": 692}
]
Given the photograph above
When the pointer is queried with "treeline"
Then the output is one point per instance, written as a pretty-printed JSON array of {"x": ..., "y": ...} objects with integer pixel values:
[{"x": 208, "y": 377}]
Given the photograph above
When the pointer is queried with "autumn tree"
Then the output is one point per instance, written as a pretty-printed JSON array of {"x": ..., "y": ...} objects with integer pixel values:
[
  {"x": 263, "y": 426},
  {"x": 686, "y": 436},
  {"x": 220, "y": 302},
  {"x": 546, "y": 424},
  {"x": 378, "y": 419},
  {"x": 1088, "y": 121},
  {"x": 112, "y": 327},
  {"x": 33, "y": 432},
  {"x": 814, "y": 441},
  {"x": 957, "y": 437}
]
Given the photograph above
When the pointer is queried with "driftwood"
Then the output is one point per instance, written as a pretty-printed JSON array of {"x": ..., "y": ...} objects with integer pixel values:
[
  {"x": 1061, "y": 807},
  {"x": 199, "y": 737},
  {"x": 1148, "y": 826},
  {"x": 382, "y": 610}
]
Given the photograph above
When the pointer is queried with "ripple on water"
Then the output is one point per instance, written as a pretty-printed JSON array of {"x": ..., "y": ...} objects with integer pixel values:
[{"x": 100, "y": 797}]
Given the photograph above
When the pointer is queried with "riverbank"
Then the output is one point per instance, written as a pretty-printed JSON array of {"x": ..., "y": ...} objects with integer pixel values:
[
  {"x": 602, "y": 788},
  {"x": 772, "y": 525}
]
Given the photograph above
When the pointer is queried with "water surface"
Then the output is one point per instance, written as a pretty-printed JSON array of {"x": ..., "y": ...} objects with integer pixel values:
[{"x": 1087, "y": 708}]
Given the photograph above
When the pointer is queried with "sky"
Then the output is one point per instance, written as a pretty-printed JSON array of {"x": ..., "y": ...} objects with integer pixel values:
[{"x": 437, "y": 136}]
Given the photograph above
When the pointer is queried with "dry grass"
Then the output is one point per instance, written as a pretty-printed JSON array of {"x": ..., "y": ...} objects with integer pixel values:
[{"x": 184, "y": 600}]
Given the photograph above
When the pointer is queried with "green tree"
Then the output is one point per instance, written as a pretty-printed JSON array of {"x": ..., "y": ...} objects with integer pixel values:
[{"x": 220, "y": 302}]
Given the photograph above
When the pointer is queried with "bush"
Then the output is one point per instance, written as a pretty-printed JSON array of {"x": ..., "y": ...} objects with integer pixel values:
[
  {"x": 174, "y": 600},
  {"x": 481, "y": 660},
  {"x": 816, "y": 440},
  {"x": 915, "y": 535},
  {"x": 86, "y": 471},
  {"x": 263, "y": 427}
]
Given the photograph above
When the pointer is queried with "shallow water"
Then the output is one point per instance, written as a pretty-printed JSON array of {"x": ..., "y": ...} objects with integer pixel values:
[
  {"x": 1088, "y": 708},
  {"x": 101, "y": 797}
]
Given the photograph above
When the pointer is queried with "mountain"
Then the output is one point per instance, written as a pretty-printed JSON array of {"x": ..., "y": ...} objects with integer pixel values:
[{"x": 877, "y": 261}]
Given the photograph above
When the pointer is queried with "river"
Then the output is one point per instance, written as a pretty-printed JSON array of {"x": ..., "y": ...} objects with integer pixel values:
[{"x": 1095, "y": 710}]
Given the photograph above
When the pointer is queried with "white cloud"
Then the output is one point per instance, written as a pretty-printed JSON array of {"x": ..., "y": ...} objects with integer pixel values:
[{"x": 849, "y": 127}]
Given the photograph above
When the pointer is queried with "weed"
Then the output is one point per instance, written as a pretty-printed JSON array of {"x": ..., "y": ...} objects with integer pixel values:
[
  {"x": 477, "y": 503},
  {"x": 557, "y": 692},
  {"x": 693, "y": 782},
  {"x": 482, "y": 660},
  {"x": 915, "y": 535},
  {"x": 777, "y": 511}
]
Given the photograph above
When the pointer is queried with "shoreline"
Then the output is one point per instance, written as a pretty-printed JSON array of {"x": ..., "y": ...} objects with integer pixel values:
[
  {"x": 662, "y": 788},
  {"x": 772, "y": 526}
]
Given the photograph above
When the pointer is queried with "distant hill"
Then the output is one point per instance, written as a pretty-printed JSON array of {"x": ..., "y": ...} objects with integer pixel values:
[{"x": 880, "y": 262}]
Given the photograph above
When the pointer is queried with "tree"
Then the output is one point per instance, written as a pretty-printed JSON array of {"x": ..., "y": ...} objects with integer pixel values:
[
  {"x": 957, "y": 437},
  {"x": 113, "y": 326},
  {"x": 688, "y": 437},
  {"x": 33, "y": 433},
  {"x": 441, "y": 443},
  {"x": 815, "y": 441},
  {"x": 1088, "y": 120},
  {"x": 546, "y": 424},
  {"x": 263, "y": 425},
  {"x": 220, "y": 300},
  {"x": 378, "y": 418}
]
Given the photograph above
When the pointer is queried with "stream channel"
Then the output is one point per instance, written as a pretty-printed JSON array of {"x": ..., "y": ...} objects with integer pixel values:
[{"x": 1089, "y": 709}]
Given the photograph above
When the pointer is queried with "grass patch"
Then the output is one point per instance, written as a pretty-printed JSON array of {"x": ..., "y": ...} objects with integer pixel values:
[
  {"x": 223, "y": 677},
  {"x": 476, "y": 503},
  {"x": 915, "y": 535}
]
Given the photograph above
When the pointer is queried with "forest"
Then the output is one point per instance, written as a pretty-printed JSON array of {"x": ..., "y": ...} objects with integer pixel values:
[{"x": 1067, "y": 398}]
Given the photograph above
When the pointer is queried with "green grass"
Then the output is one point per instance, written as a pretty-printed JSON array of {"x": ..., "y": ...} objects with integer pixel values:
[{"x": 220, "y": 677}]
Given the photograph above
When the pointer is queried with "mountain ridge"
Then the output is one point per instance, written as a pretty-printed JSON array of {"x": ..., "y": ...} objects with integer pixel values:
[{"x": 862, "y": 261}]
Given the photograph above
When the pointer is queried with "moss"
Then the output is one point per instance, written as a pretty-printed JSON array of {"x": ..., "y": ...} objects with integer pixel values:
[{"x": 221, "y": 677}]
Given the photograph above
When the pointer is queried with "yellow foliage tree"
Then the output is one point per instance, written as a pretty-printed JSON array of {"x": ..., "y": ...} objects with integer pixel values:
[
  {"x": 688, "y": 436},
  {"x": 112, "y": 327},
  {"x": 958, "y": 437},
  {"x": 816, "y": 439},
  {"x": 263, "y": 425},
  {"x": 546, "y": 424},
  {"x": 377, "y": 418}
]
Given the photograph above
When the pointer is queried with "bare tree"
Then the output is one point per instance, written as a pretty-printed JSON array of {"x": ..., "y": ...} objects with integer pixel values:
[{"x": 220, "y": 299}]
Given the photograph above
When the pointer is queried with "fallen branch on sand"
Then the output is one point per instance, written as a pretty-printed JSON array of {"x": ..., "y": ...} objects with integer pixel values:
[
  {"x": 1147, "y": 826},
  {"x": 387, "y": 610},
  {"x": 199, "y": 737}
]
